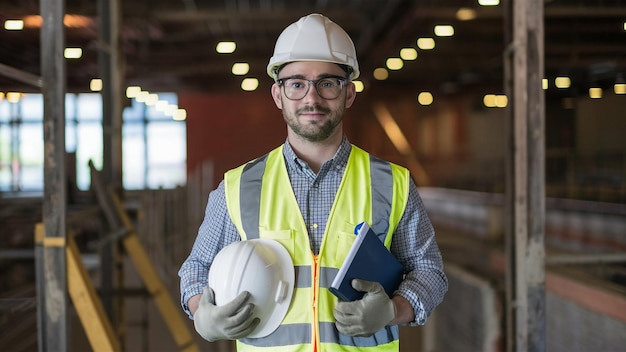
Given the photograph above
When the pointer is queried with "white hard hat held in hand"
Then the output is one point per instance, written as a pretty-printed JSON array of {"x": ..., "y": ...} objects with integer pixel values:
[
  {"x": 314, "y": 38},
  {"x": 262, "y": 267}
]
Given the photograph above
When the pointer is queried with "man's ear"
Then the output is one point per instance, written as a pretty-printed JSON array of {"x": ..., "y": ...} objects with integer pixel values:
[
  {"x": 276, "y": 96},
  {"x": 350, "y": 94}
]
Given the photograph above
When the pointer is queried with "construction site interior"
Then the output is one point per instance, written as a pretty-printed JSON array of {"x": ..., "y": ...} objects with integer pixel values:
[{"x": 437, "y": 94}]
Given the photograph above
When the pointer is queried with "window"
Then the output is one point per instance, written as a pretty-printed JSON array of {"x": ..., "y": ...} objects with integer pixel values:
[{"x": 153, "y": 145}]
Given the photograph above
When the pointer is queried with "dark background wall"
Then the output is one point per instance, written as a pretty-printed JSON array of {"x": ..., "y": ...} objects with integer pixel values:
[{"x": 456, "y": 140}]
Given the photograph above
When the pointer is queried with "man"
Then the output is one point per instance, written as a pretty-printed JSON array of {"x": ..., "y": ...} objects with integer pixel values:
[{"x": 309, "y": 194}]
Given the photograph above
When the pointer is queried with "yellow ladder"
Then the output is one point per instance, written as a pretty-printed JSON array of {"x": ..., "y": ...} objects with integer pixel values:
[{"x": 84, "y": 297}]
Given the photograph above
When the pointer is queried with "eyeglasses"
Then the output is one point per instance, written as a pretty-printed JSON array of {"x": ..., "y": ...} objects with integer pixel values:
[{"x": 297, "y": 88}]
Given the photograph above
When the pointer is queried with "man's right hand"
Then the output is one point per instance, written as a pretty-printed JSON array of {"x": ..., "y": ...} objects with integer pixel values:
[{"x": 231, "y": 321}]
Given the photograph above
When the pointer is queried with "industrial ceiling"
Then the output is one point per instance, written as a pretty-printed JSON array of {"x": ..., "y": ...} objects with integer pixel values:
[{"x": 169, "y": 45}]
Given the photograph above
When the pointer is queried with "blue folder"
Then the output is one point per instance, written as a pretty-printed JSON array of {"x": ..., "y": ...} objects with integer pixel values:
[{"x": 368, "y": 259}]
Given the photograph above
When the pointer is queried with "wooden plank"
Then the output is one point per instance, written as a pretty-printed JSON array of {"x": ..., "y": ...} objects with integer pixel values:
[
  {"x": 87, "y": 303},
  {"x": 602, "y": 301},
  {"x": 580, "y": 287}
]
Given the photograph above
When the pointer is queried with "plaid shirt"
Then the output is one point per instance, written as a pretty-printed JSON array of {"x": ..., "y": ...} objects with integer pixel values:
[{"x": 413, "y": 242}]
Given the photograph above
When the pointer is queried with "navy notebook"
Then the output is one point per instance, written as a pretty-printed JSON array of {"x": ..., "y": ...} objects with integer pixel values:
[{"x": 368, "y": 259}]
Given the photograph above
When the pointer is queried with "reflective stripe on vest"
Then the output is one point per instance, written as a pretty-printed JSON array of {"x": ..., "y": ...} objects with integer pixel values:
[{"x": 262, "y": 204}]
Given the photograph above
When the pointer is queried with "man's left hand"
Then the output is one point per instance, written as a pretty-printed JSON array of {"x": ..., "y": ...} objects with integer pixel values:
[{"x": 367, "y": 315}]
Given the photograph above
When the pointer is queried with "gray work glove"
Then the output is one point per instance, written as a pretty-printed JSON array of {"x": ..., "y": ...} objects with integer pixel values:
[
  {"x": 367, "y": 315},
  {"x": 231, "y": 321}
]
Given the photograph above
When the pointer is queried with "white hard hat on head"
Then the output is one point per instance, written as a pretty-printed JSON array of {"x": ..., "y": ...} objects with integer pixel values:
[
  {"x": 314, "y": 38},
  {"x": 262, "y": 267}
]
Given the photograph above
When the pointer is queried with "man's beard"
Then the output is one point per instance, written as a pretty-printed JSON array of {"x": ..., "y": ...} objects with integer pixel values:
[{"x": 314, "y": 131}]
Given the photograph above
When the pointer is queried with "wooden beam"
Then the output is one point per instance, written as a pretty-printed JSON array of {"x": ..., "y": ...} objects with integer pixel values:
[
  {"x": 109, "y": 59},
  {"x": 22, "y": 76},
  {"x": 525, "y": 247},
  {"x": 87, "y": 303},
  {"x": 50, "y": 253},
  {"x": 110, "y": 62}
]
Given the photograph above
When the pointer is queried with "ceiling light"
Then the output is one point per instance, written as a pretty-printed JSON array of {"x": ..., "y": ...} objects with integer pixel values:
[
  {"x": 544, "y": 83},
  {"x": 502, "y": 101},
  {"x": 249, "y": 84},
  {"x": 425, "y": 98},
  {"x": 95, "y": 85},
  {"x": 240, "y": 68},
  {"x": 71, "y": 21},
  {"x": 132, "y": 91},
  {"x": 444, "y": 30},
  {"x": 180, "y": 115},
  {"x": 161, "y": 105},
  {"x": 426, "y": 43},
  {"x": 358, "y": 86},
  {"x": 142, "y": 96},
  {"x": 625, "y": 25},
  {"x": 595, "y": 93},
  {"x": 226, "y": 47},
  {"x": 14, "y": 97},
  {"x": 170, "y": 110},
  {"x": 465, "y": 14},
  {"x": 394, "y": 63},
  {"x": 13, "y": 25},
  {"x": 408, "y": 54},
  {"x": 381, "y": 74},
  {"x": 152, "y": 99},
  {"x": 562, "y": 82},
  {"x": 77, "y": 21},
  {"x": 488, "y": 2},
  {"x": 495, "y": 100},
  {"x": 489, "y": 100},
  {"x": 1, "y": 96},
  {"x": 73, "y": 53},
  {"x": 33, "y": 21}
]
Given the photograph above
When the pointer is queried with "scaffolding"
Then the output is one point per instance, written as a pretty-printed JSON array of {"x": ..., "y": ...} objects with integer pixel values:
[{"x": 60, "y": 272}]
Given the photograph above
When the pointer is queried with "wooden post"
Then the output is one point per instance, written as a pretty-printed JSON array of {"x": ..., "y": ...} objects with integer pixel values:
[
  {"x": 525, "y": 179},
  {"x": 51, "y": 276},
  {"x": 109, "y": 63}
]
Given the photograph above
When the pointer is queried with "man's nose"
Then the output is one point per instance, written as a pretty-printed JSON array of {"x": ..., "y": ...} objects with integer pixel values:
[{"x": 311, "y": 94}]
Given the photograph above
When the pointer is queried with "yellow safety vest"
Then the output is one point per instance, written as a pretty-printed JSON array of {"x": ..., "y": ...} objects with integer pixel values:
[{"x": 261, "y": 204}]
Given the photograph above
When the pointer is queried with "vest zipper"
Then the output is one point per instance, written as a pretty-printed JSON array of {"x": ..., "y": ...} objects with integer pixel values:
[{"x": 315, "y": 332}]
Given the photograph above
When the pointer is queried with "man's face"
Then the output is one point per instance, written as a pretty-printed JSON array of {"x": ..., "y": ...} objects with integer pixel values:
[{"x": 313, "y": 118}]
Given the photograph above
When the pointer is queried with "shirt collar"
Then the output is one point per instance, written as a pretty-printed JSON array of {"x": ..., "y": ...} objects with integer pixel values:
[{"x": 339, "y": 160}]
